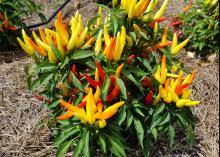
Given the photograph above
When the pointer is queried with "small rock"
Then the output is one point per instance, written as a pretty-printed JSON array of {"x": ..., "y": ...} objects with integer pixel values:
[{"x": 191, "y": 54}]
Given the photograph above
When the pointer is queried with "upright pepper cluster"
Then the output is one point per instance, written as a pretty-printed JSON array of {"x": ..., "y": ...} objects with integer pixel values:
[
  {"x": 5, "y": 23},
  {"x": 91, "y": 109},
  {"x": 113, "y": 45},
  {"x": 50, "y": 42},
  {"x": 173, "y": 88}
]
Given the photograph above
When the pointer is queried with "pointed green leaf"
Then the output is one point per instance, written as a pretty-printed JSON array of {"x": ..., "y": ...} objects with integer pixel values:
[
  {"x": 140, "y": 131},
  {"x": 102, "y": 143},
  {"x": 171, "y": 135},
  {"x": 76, "y": 82},
  {"x": 154, "y": 133},
  {"x": 116, "y": 147},
  {"x": 122, "y": 87},
  {"x": 105, "y": 88},
  {"x": 86, "y": 147},
  {"x": 79, "y": 147},
  {"x": 60, "y": 139},
  {"x": 129, "y": 119},
  {"x": 61, "y": 151},
  {"x": 56, "y": 52},
  {"x": 81, "y": 54}
]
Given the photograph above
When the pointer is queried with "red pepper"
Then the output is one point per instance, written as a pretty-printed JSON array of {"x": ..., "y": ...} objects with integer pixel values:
[
  {"x": 180, "y": 88},
  {"x": 11, "y": 28},
  {"x": 73, "y": 69},
  {"x": 38, "y": 97},
  {"x": 176, "y": 23},
  {"x": 113, "y": 94},
  {"x": 6, "y": 23},
  {"x": 149, "y": 98},
  {"x": 158, "y": 46},
  {"x": 101, "y": 72},
  {"x": 146, "y": 82},
  {"x": 92, "y": 82},
  {"x": 2, "y": 16},
  {"x": 145, "y": 54},
  {"x": 130, "y": 59},
  {"x": 152, "y": 24},
  {"x": 82, "y": 104},
  {"x": 112, "y": 82}
]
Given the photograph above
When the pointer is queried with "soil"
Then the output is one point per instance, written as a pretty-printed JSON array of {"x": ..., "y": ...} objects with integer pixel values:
[{"x": 11, "y": 56}]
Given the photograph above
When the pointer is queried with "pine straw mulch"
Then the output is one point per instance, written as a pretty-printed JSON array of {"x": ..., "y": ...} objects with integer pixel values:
[{"x": 24, "y": 127}]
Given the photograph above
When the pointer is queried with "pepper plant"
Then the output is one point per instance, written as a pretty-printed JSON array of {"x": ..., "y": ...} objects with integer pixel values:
[
  {"x": 201, "y": 26},
  {"x": 12, "y": 13},
  {"x": 111, "y": 80}
]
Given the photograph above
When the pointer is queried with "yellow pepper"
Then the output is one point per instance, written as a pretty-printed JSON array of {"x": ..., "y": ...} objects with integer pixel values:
[
  {"x": 99, "y": 20},
  {"x": 118, "y": 70},
  {"x": 129, "y": 41},
  {"x": 90, "y": 108},
  {"x": 161, "y": 10},
  {"x": 179, "y": 47},
  {"x": 28, "y": 49},
  {"x": 156, "y": 28},
  {"x": 164, "y": 37},
  {"x": 98, "y": 44}
]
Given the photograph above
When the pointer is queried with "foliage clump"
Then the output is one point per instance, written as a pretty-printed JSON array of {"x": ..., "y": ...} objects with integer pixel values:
[{"x": 201, "y": 26}]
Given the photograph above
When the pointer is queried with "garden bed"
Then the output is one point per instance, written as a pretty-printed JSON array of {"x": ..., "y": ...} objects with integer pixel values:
[{"x": 24, "y": 127}]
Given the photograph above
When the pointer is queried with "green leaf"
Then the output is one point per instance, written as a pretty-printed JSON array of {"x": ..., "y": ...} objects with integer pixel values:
[
  {"x": 140, "y": 131},
  {"x": 102, "y": 143},
  {"x": 105, "y": 88},
  {"x": 147, "y": 147},
  {"x": 47, "y": 67},
  {"x": 171, "y": 135},
  {"x": 155, "y": 122},
  {"x": 116, "y": 147},
  {"x": 42, "y": 17},
  {"x": 115, "y": 24},
  {"x": 154, "y": 133},
  {"x": 159, "y": 109},
  {"x": 144, "y": 35},
  {"x": 53, "y": 104},
  {"x": 78, "y": 149},
  {"x": 60, "y": 139},
  {"x": 146, "y": 64},
  {"x": 121, "y": 116},
  {"x": 132, "y": 79},
  {"x": 56, "y": 52},
  {"x": 122, "y": 87},
  {"x": 130, "y": 119},
  {"x": 81, "y": 54},
  {"x": 61, "y": 151},
  {"x": 165, "y": 119},
  {"x": 139, "y": 111},
  {"x": 76, "y": 82},
  {"x": 86, "y": 150},
  {"x": 92, "y": 21},
  {"x": 65, "y": 62},
  {"x": 34, "y": 84},
  {"x": 45, "y": 78}
]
